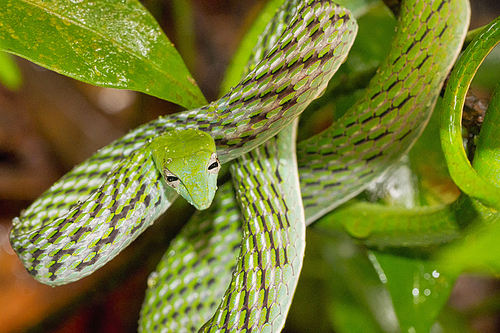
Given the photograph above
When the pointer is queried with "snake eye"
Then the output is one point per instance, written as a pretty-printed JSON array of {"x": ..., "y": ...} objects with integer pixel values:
[
  {"x": 171, "y": 179},
  {"x": 213, "y": 164}
]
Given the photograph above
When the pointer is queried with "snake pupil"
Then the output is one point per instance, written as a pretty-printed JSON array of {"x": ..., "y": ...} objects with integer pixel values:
[
  {"x": 171, "y": 179},
  {"x": 213, "y": 166}
]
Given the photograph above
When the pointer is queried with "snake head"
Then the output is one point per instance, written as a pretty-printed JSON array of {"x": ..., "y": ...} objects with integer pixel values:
[{"x": 187, "y": 160}]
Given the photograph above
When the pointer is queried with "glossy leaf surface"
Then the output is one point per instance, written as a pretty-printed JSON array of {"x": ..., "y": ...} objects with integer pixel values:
[{"x": 110, "y": 43}]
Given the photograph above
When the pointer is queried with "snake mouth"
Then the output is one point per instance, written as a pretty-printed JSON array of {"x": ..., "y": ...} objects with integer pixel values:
[
  {"x": 200, "y": 197},
  {"x": 204, "y": 205}
]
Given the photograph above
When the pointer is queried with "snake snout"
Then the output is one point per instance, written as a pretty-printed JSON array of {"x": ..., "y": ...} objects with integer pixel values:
[{"x": 202, "y": 192}]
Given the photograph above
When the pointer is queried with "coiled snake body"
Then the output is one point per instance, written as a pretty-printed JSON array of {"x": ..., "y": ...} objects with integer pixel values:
[{"x": 92, "y": 213}]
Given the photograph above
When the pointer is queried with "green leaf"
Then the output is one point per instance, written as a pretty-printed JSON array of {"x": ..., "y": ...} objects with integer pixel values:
[
  {"x": 450, "y": 320},
  {"x": 355, "y": 298},
  {"x": 183, "y": 19},
  {"x": 109, "y": 43},
  {"x": 419, "y": 288},
  {"x": 361, "y": 303},
  {"x": 339, "y": 290},
  {"x": 479, "y": 249},
  {"x": 10, "y": 75}
]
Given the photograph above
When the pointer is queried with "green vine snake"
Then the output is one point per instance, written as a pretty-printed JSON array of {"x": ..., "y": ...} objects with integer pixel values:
[
  {"x": 479, "y": 182},
  {"x": 92, "y": 213}
]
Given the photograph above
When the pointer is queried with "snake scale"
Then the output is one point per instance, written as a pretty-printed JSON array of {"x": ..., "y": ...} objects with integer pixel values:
[{"x": 93, "y": 212}]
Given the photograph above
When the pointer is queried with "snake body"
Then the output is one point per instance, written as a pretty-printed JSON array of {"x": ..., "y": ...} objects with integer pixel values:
[
  {"x": 187, "y": 285},
  {"x": 272, "y": 249},
  {"x": 84, "y": 220},
  {"x": 464, "y": 175},
  {"x": 477, "y": 205},
  {"x": 372, "y": 135},
  {"x": 70, "y": 220},
  {"x": 382, "y": 126}
]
